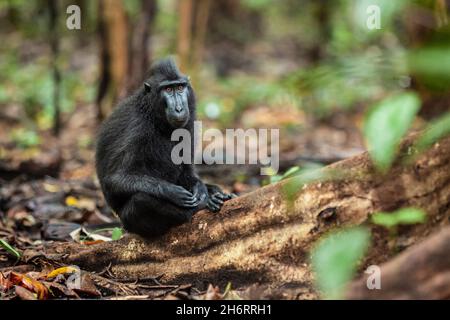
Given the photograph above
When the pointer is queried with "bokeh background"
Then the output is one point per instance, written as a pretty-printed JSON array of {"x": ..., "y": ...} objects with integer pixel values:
[{"x": 310, "y": 68}]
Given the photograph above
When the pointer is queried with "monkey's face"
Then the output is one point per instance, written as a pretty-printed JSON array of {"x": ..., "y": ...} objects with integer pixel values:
[{"x": 175, "y": 94}]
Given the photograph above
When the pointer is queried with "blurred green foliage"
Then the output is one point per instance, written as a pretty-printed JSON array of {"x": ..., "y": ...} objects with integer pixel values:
[
  {"x": 399, "y": 217},
  {"x": 289, "y": 173},
  {"x": 386, "y": 124},
  {"x": 24, "y": 138},
  {"x": 436, "y": 130},
  {"x": 335, "y": 258},
  {"x": 256, "y": 4},
  {"x": 432, "y": 64},
  {"x": 232, "y": 96},
  {"x": 31, "y": 86},
  {"x": 348, "y": 81},
  {"x": 301, "y": 177}
]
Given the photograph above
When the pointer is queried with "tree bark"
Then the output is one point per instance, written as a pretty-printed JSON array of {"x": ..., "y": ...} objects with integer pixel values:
[{"x": 262, "y": 238}]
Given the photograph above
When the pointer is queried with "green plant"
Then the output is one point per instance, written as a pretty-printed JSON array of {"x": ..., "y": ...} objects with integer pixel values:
[
  {"x": 335, "y": 258},
  {"x": 290, "y": 172},
  {"x": 402, "y": 216},
  {"x": 385, "y": 125},
  {"x": 432, "y": 64},
  {"x": 435, "y": 130},
  {"x": 10, "y": 249},
  {"x": 301, "y": 177},
  {"x": 116, "y": 233}
]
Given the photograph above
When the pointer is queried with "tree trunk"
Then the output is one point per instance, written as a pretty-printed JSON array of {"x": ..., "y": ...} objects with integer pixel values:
[
  {"x": 140, "y": 53},
  {"x": 260, "y": 237},
  {"x": 113, "y": 32},
  {"x": 201, "y": 24},
  {"x": 56, "y": 74},
  {"x": 184, "y": 33}
]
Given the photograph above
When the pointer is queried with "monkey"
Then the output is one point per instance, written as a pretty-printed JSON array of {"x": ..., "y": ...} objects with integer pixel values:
[{"x": 138, "y": 178}]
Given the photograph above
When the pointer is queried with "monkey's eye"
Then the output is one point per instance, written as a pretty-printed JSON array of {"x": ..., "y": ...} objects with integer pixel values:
[
  {"x": 168, "y": 89},
  {"x": 180, "y": 88}
]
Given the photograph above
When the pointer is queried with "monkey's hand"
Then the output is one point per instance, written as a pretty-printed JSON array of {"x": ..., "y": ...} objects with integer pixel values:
[
  {"x": 180, "y": 196},
  {"x": 216, "y": 198},
  {"x": 201, "y": 192}
]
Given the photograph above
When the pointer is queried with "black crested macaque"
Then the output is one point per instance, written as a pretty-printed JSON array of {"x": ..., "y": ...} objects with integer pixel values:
[{"x": 133, "y": 158}]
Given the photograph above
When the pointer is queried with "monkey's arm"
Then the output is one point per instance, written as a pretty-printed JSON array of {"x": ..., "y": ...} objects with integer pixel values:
[
  {"x": 125, "y": 183},
  {"x": 192, "y": 182}
]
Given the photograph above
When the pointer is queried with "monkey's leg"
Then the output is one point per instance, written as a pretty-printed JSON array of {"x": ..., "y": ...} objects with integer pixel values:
[{"x": 150, "y": 216}]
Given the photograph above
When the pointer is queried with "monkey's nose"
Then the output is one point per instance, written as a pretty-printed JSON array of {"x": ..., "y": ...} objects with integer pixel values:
[{"x": 178, "y": 108}]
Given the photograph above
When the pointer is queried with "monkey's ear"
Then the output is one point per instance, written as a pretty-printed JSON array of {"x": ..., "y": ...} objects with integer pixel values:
[{"x": 147, "y": 87}]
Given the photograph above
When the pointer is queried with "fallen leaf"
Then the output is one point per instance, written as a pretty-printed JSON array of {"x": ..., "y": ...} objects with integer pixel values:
[
  {"x": 59, "y": 290},
  {"x": 29, "y": 283},
  {"x": 51, "y": 187},
  {"x": 62, "y": 270},
  {"x": 82, "y": 203},
  {"x": 5, "y": 283},
  {"x": 87, "y": 286},
  {"x": 71, "y": 201},
  {"x": 25, "y": 294},
  {"x": 212, "y": 293},
  {"x": 82, "y": 232},
  {"x": 91, "y": 242}
]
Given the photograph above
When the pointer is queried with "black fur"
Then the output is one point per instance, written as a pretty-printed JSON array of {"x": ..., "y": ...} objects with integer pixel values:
[{"x": 133, "y": 161}]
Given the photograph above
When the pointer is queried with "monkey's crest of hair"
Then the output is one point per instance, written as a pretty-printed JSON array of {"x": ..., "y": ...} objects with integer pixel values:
[{"x": 166, "y": 67}]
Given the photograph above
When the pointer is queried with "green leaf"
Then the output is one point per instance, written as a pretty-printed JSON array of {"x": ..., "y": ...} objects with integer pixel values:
[
  {"x": 435, "y": 131},
  {"x": 384, "y": 219},
  {"x": 9, "y": 248},
  {"x": 311, "y": 173},
  {"x": 431, "y": 61},
  {"x": 301, "y": 178},
  {"x": 291, "y": 171},
  {"x": 401, "y": 216},
  {"x": 227, "y": 288},
  {"x": 116, "y": 234},
  {"x": 385, "y": 125},
  {"x": 275, "y": 178},
  {"x": 335, "y": 258},
  {"x": 410, "y": 216}
]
